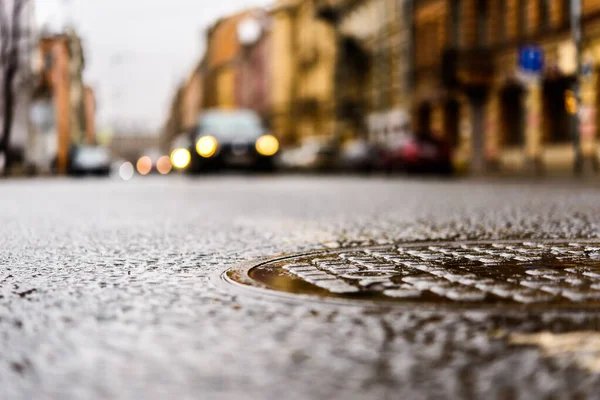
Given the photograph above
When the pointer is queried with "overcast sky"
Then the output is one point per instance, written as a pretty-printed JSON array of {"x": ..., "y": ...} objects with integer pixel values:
[{"x": 137, "y": 51}]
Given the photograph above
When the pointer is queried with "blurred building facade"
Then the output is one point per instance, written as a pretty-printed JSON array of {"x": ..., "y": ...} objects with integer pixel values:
[
  {"x": 253, "y": 76},
  {"x": 530, "y": 125},
  {"x": 235, "y": 72},
  {"x": 470, "y": 87},
  {"x": 303, "y": 72},
  {"x": 446, "y": 92},
  {"x": 62, "y": 108},
  {"x": 222, "y": 51},
  {"x": 130, "y": 145},
  {"x": 185, "y": 107},
  {"x": 236, "y": 65},
  {"x": 342, "y": 69},
  {"x": 373, "y": 88}
]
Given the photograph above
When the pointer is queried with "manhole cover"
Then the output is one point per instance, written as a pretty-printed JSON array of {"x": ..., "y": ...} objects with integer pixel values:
[{"x": 548, "y": 274}]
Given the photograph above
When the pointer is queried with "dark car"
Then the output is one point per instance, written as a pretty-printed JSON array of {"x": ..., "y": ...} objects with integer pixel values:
[
  {"x": 232, "y": 139},
  {"x": 423, "y": 153},
  {"x": 89, "y": 160}
]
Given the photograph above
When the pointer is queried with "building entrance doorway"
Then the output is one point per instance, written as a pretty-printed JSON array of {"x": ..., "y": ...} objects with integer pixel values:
[
  {"x": 512, "y": 116},
  {"x": 424, "y": 118},
  {"x": 558, "y": 115},
  {"x": 451, "y": 121}
]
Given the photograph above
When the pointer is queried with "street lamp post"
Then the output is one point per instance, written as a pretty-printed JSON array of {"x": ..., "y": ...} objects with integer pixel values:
[{"x": 576, "y": 34}]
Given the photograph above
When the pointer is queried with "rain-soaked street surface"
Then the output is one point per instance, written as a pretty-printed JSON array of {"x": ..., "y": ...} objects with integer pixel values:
[{"x": 432, "y": 289}]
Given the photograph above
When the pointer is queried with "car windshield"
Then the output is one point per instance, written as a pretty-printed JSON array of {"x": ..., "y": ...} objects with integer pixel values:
[{"x": 231, "y": 125}]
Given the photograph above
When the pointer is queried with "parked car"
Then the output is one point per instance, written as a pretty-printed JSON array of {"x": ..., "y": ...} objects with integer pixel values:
[
  {"x": 89, "y": 160},
  {"x": 312, "y": 155},
  {"x": 116, "y": 165},
  {"x": 422, "y": 153},
  {"x": 358, "y": 156},
  {"x": 230, "y": 139}
]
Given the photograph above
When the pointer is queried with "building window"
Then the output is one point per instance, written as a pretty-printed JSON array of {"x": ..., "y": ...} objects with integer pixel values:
[
  {"x": 566, "y": 12},
  {"x": 513, "y": 115},
  {"x": 544, "y": 13},
  {"x": 501, "y": 20},
  {"x": 399, "y": 7},
  {"x": 455, "y": 18},
  {"x": 482, "y": 22},
  {"x": 560, "y": 120},
  {"x": 522, "y": 21},
  {"x": 427, "y": 44},
  {"x": 452, "y": 121}
]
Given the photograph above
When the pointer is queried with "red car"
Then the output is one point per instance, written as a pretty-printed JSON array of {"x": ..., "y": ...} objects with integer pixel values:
[{"x": 419, "y": 154}]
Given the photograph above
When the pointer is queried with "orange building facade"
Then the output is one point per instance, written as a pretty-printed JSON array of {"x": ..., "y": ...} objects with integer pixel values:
[
  {"x": 234, "y": 73},
  {"x": 303, "y": 72},
  {"x": 63, "y": 106},
  {"x": 469, "y": 88}
]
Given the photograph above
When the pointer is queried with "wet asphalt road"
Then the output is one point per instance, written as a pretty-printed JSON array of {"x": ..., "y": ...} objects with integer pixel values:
[{"x": 107, "y": 290}]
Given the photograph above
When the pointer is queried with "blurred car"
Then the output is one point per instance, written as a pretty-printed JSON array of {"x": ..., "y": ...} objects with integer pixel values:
[
  {"x": 358, "y": 156},
  {"x": 236, "y": 138},
  {"x": 312, "y": 155},
  {"x": 90, "y": 160},
  {"x": 419, "y": 154},
  {"x": 116, "y": 165}
]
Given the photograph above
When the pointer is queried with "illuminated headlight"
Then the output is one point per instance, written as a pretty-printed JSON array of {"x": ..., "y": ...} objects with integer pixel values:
[
  {"x": 206, "y": 146},
  {"x": 180, "y": 158},
  {"x": 267, "y": 145}
]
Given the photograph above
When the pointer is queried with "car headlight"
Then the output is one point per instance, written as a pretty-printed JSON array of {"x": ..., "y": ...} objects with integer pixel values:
[
  {"x": 267, "y": 145},
  {"x": 206, "y": 146},
  {"x": 180, "y": 158}
]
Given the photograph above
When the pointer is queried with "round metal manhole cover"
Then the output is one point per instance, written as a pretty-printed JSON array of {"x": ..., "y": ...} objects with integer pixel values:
[{"x": 537, "y": 274}]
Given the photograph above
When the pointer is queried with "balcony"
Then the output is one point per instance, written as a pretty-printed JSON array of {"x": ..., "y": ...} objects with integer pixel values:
[
  {"x": 327, "y": 11},
  {"x": 334, "y": 10},
  {"x": 467, "y": 68}
]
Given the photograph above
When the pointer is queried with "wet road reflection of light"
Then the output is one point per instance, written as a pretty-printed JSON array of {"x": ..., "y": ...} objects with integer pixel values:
[{"x": 126, "y": 171}]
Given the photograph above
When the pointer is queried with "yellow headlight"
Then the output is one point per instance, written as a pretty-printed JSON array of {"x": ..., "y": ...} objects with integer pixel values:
[
  {"x": 180, "y": 158},
  {"x": 267, "y": 145},
  {"x": 206, "y": 146}
]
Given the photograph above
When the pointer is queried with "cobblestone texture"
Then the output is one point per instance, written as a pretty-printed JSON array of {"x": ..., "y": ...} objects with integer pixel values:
[{"x": 106, "y": 291}]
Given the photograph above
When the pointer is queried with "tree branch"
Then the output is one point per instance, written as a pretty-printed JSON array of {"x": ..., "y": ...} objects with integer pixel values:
[
  {"x": 16, "y": 30},
  {"x": 4, "y": 33},
  {"x": 11, "y": 42}
]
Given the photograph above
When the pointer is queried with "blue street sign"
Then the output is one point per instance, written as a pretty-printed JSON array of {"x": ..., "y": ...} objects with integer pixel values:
[{"x": 531, "y": 59}]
